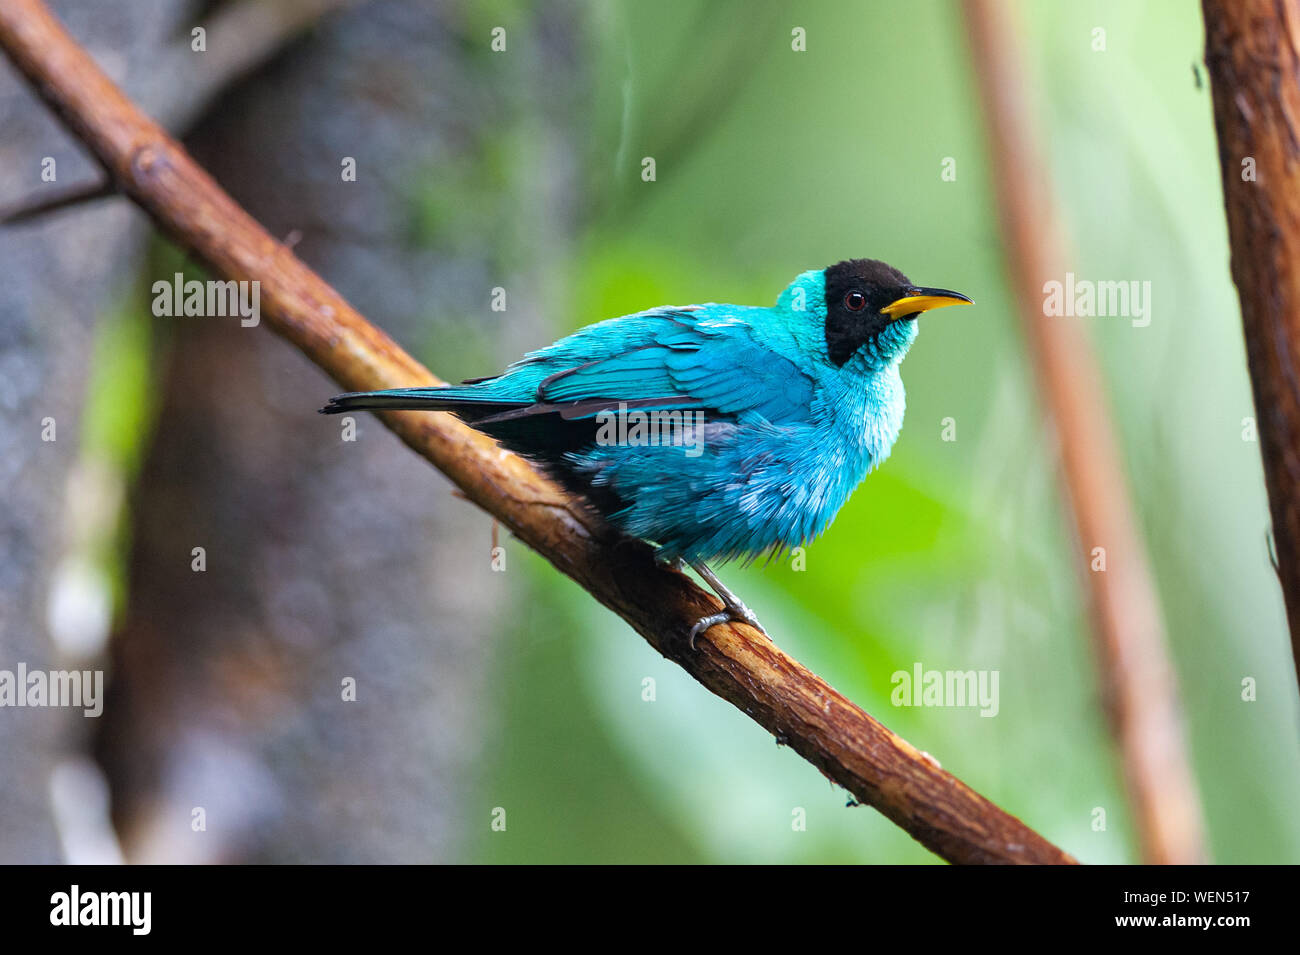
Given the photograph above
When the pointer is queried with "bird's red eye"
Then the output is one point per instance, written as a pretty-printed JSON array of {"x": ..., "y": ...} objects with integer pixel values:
[{"x": 855, "y": 301}]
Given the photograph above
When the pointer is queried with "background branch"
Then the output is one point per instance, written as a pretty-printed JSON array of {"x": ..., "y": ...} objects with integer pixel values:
[
  {"x": 1137, "y": 679},
  {"x": 1252, "y": 51},
  {"x": 240, "y": 37},
  {"x": 735, "y": 662}
]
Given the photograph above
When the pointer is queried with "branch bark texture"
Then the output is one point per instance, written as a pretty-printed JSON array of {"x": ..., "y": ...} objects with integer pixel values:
[{"x": 1252, "y": 52}]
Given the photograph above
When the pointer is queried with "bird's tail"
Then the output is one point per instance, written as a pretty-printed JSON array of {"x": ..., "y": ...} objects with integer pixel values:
[
  {"x": 397, "y": 399},
  {"x": 465, "y": 400}
]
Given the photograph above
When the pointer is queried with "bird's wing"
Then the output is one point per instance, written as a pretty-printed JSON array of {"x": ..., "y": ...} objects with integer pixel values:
[
  {"x": 703, "y": 357},
  {"x": 669, "y": 359}
]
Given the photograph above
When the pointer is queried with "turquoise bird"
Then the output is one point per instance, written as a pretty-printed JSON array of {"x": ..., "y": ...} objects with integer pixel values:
[{"x": 713, "y": 431}]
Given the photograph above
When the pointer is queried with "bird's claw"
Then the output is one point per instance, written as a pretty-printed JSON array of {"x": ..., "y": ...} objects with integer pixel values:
[
  {"x": 739, "y": 613},
  {"x": 704, "y": 623},
  {"x": 671, "y": 563}
]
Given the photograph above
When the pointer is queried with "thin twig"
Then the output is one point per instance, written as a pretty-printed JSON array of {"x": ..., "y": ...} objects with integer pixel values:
[
  {"x": 28, "y": 209},
  {"x": 1252, "y": 51},
  {"x": 1137, "y": 679},
  {"x": 735, "y": 662}
]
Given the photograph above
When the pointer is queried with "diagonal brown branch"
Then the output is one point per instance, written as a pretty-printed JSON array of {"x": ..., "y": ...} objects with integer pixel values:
[
  {"x": 735, "y": 662},
  {"x": 1252, "y": 51},
  {"x": 1136, "y": 675}
]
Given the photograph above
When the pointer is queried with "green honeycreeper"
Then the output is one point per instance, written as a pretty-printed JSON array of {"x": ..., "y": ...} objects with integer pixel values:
[{"x": 713, "y": 431}]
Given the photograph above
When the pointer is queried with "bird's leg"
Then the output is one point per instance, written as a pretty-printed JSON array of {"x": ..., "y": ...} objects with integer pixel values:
[
  {"x": 672, "y": 563},
  {"x": 733, "y": 608}
]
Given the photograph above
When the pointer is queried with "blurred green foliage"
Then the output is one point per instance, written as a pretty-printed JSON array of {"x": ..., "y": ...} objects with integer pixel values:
[{"x": 955, "y": 553}]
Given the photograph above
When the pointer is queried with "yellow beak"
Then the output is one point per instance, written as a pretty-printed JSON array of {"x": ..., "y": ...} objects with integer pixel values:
[{"x": 919, "y": 300}]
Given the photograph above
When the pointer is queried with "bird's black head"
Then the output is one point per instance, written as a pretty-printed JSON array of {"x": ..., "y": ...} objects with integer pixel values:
[{"x": 864, "y": 297}]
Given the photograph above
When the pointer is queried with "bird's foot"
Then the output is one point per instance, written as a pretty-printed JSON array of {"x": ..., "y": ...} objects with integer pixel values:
[
  {"x": 733, "y": 608},
  {"x": 736, "y": 611},
  {"x": 672, "y": 563}
]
